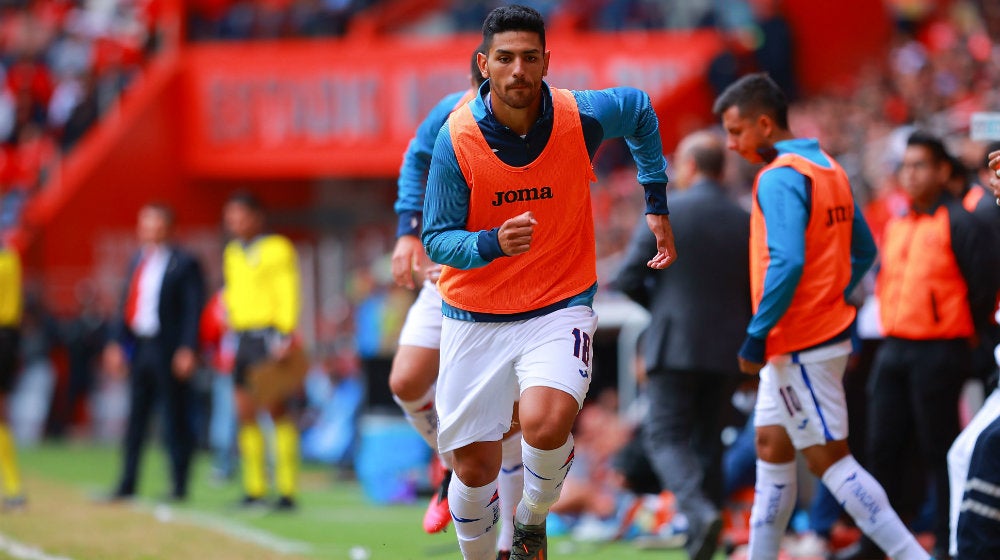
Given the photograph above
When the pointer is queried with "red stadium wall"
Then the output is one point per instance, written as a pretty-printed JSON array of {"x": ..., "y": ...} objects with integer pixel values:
[
  {"x": 834, "y": 39},
  {"x": 348, "y": 108}
]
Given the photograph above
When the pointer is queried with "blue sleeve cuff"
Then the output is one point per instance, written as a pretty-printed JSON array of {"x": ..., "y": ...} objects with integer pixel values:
[
  {"x": 489, "y": 245},
  {"x": 409, "y": 223},
  {"x": 753, "y": 349},
  {"x": 656, "y": 199}
]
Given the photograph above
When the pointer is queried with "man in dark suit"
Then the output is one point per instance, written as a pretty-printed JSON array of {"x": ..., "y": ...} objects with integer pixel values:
[
  {"x": 700, "y": 308},
  {"x": 157, "y": 330}
]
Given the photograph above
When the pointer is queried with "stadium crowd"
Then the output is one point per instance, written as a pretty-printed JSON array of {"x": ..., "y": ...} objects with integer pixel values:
[
  {"x": 62, "y": 66},
  {"x": 63, "y": 63}
]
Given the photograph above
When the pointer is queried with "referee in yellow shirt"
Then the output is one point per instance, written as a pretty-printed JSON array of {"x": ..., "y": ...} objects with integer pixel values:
[
  {"x": 262, "y": 301},
  {"x": 10, "y": 336}
]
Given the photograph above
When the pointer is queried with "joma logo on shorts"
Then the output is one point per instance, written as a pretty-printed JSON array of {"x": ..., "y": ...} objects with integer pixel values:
[{"x": 521, "y": 195}]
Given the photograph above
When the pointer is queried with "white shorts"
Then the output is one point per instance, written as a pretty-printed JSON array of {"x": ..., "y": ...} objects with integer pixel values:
[
  {"x": 423, "y": 321},
  {"x": 804, "y": 392},
  {"x": 486, "y": 366}
]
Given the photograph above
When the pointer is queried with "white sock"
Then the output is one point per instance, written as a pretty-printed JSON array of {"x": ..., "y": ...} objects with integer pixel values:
[
  {"x": 475, "y": 512},
  {"x": 865, "y": 500},
  {"x": 511, "y": 484},
  {"x": 543, "y": 478},
  {"x": 422, "y": 415},
  {"x": 773, "y": 503}
]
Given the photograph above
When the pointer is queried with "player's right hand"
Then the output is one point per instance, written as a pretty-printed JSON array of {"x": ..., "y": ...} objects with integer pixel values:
[
  {"x": 408, "y": 258},
  {"x": 515, "y": 234}
]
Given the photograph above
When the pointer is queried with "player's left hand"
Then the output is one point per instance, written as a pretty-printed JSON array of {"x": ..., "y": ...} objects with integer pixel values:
[
  {"x": 666, "y": 253},
  {"x": 750, "y": 368},
  {"x": 408, "y": 257}
]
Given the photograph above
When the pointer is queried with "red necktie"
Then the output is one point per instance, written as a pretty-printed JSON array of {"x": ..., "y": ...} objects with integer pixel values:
[{"x": 132, "y": 301}]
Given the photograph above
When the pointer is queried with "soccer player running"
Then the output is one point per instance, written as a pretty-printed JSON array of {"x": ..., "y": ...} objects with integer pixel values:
[
  {"x": 415, "y": 366},
  {"x": 809, "y": 246},
  {"x": 508, "y": 213}
]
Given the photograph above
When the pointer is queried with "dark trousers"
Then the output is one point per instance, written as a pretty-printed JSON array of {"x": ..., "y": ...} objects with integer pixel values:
[
  {"x": 979, "y": 521},
  {"x": 681, "y": 435},
  {"x": 913, "y": 394},
  {"x": 152, "y": 385}
]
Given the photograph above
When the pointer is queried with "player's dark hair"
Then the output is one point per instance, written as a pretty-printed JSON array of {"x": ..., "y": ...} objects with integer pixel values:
[
  {"x": 477, "y": 76},
  {"x": 755, "y": 94},
  {"x": 933, "y": 144},
  {"x": 513, "y": 18}
]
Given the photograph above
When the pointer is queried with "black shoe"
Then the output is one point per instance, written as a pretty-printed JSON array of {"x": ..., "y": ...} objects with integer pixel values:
[
  {"x": 864, "y": 549},
  {"x": 530, "y": 542},
  {"x": 703, "y": 540},
  {"x": 503, "y": 555},
  {"x": 285, "y": 503},
  {"x": 251, "y": 503}
]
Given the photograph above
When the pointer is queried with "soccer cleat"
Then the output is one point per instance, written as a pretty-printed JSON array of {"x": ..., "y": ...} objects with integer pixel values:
[
  {"x": 437, "y": 516},
  {"x": 503, "y": 555},
  {"x": 530, "y": 542}
]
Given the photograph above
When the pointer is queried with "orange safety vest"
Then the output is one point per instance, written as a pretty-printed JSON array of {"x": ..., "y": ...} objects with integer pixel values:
[
  {"x": 562, "y": 261},
  {"x": 818, "y": 311},
  {"x": 922, "y": 293}
]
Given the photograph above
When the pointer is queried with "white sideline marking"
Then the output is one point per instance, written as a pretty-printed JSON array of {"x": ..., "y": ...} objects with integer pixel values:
[
  {"x": 236, "y": 530},
  {"x": 22, "y": 551}
]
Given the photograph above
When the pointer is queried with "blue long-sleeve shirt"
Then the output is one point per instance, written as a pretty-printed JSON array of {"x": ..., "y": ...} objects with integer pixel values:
[
  {"x": 604, "y": 114},
  {"x": 784, "y": 196},
  {"x": 412, "y": 181}
]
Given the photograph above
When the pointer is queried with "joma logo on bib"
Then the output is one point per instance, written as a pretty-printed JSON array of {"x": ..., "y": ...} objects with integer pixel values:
[{"x": 520, "y": 195}]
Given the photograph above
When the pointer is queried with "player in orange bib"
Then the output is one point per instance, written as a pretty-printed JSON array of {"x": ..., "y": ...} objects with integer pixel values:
[
  {"x": 508, "y": 214},
  {"x": 809, "y": 246}
]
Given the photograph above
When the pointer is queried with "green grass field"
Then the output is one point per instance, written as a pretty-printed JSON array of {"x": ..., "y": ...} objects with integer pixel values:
[{"x": 334, "y": 521}]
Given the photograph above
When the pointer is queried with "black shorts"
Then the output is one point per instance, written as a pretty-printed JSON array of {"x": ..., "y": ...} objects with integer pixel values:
[
  {"x": 10, "y": 352},
  {"x": 251, "y": 348}
]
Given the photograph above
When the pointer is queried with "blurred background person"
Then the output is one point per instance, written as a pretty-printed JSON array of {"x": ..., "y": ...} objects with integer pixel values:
[
  {"x": 936, "y": 289},
  {"x": 699, "y": 311},
  {"x": 262, "y": 294},
  {"x": 155, "y": 337},
  {"x": 10, "y": 348}
]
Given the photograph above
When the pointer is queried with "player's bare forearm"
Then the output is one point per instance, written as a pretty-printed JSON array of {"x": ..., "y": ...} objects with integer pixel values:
[{"x": 666, "y": 253}]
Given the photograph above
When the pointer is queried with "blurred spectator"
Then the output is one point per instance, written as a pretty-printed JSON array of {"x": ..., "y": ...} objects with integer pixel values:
[
  {"x": 156, "y": 332},
  {"x": 218, "y": 342},
  {"x": 85, "y": 336},
  {"x": 32, "y": 397},
  {"x": 699, "y": 310},
  {"x": 931, "y": 310},
  {"x": 10, "y": 333},
  {"x": 262, "y": 296}
]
